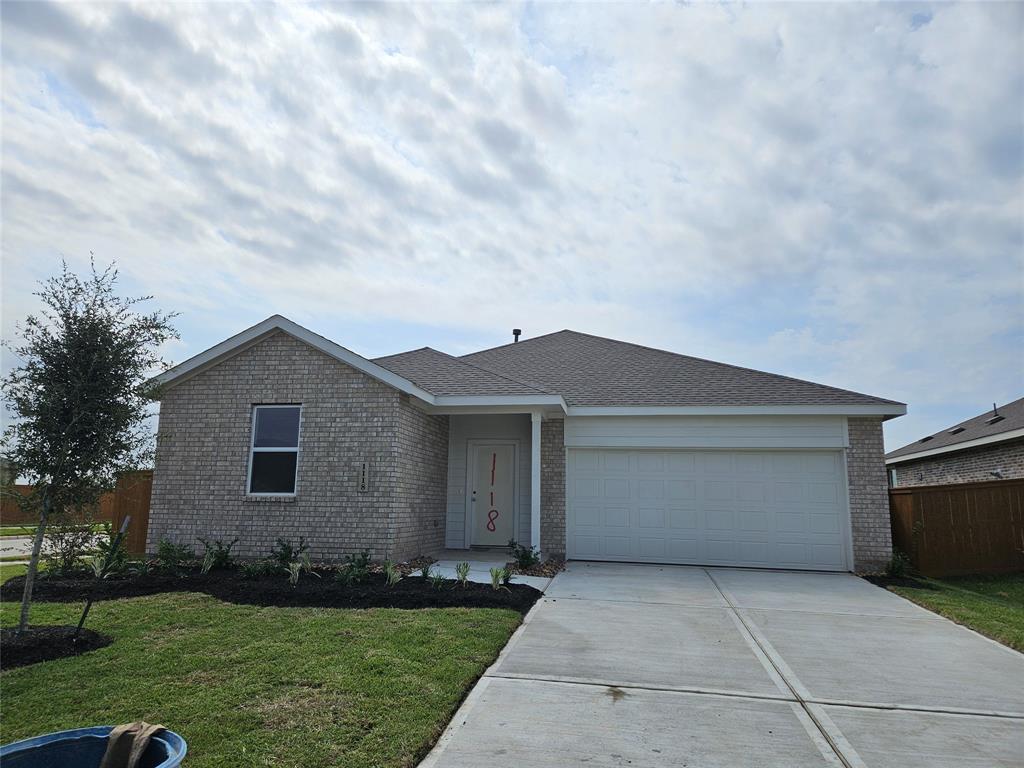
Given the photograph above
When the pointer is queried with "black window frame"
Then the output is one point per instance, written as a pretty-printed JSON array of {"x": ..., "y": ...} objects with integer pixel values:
[{"x": 254, "y": 449}]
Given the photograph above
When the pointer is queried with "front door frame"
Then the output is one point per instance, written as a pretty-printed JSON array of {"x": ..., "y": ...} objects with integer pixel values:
[{"x": 471, "y": 445}]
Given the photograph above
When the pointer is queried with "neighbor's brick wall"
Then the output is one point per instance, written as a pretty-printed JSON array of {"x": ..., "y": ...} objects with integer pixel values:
[
  {"x": 420, "y": 503},
  {"x": 199, "y": 486},
  {"x": 869, "y": 494},
  {"x": 970, "y": 466},
  {"x": 552, "y": 487}
]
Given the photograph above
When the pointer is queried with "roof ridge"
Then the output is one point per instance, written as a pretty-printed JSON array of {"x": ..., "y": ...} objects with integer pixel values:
[
  {"x": 727, "y": 365},
  {"x": 524, "y": 341},
  {"x": 504, "y": 376}
]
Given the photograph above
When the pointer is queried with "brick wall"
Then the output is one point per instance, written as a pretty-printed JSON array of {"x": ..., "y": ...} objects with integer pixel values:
[
  {"x": 970, "y": 466},
  {"x": 419, "y": 510},
  {"x": 869, "y": 494},
  {"x": 199, "y": 486},
  {"x": 552, "y": 487}
]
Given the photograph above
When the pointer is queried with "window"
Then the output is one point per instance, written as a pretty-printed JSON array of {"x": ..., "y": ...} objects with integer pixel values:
[
  {"x": 893, "y": 480},
  {"x": 274, "y": 457}
]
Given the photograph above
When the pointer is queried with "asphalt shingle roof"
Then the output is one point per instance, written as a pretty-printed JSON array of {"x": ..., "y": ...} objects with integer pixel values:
[
  {"x": 594, "y": 371},
  {"x": 446, "y": 375},
  {"x": 972, "y": 429}
]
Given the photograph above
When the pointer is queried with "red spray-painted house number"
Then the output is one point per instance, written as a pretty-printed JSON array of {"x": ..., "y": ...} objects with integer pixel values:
[{"x": 493, "y": 514}]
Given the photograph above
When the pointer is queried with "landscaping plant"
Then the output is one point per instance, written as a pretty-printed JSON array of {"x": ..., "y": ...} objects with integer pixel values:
[
  {"x": 437, "y": 580},
  {"x": 462, "y": 573},
  {"x": 500, "y": 578},
  {"x": 217, "y": 555},
  {"x": 254, "y": 569},
  {"x": 172, "y": 557},
  {"x": 65, "y": 546},
  {"x": 391, "y": 573},
  {"x": 355, "y": 569},
  {"x": 425, "y": 571},
  {"x": 899, "y": 565},
  {"x": 524, "y": 557},
  {"x": 296, "y": 567},
  {"x": 286, "y": 554},
  {"x": 105, "y": 547},
  {"x": 80, "y": 398}
]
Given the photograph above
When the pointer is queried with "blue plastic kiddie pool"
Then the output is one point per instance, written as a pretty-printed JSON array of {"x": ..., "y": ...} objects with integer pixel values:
[{"x": 85, "y": 747}]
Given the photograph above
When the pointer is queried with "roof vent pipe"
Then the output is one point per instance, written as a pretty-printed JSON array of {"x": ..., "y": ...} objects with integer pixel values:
[{"x": 515, "y": 334}]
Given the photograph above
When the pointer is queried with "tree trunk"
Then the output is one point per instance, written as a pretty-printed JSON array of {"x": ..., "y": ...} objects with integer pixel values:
[{"x": 33, "y": 563}]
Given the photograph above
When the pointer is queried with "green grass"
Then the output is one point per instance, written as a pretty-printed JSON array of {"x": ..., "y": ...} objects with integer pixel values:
[
  {"x": 30, "y": 530},
  {"x": 261, "y": 686},
  {"x": 991, "y": 605},
  {"x": 16, "y": 530},
  {"x": 10, "y": 571}
]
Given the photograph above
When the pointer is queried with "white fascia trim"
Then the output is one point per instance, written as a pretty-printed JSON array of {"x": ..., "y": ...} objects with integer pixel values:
[
  {"x": 978, "y": 441},
  {"x": 882, "y": 409},
  {"x": 249, "y": 336},
  {"x": 475, "y": 400}
]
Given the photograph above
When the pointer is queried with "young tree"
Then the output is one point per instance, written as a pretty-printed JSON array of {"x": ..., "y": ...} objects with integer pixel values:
[{"x": 80, "y": 396}]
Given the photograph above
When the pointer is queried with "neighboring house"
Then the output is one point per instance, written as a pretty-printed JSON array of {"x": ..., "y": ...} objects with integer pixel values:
[
  {"x": 987, "y": 447},
  {"x": 582, "y": 446}
]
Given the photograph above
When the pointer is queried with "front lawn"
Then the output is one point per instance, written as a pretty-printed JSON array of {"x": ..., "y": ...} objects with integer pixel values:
[
  {"x": 991, "y": 605},
  {"x": 259, "y": 686}
]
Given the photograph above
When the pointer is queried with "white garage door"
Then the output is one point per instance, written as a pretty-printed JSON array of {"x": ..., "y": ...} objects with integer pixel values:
[{"x": 776, "y": 509}]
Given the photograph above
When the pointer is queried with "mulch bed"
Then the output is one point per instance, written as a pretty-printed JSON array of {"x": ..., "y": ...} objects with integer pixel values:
[
  {"x": 547, "y": 569},
  {"x": 310, "y": 592},
  {"x": 42, "y": 643},
  {"x": 881, "y": 580}
]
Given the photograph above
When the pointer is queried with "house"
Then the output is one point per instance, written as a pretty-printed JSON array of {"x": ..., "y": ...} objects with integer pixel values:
[
  {"x": 988, "y": 447},
  {"x": 582, "y": 446}
]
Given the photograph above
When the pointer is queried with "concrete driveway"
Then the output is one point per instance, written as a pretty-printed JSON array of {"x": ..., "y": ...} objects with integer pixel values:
[{"x": 637, "y": 665}]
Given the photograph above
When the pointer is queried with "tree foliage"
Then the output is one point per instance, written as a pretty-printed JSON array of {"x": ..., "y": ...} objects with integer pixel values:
[{"x": 81, "y": 394}]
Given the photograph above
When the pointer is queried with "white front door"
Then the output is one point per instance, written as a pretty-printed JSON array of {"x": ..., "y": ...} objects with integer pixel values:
[{"x": 492, "y": 493}]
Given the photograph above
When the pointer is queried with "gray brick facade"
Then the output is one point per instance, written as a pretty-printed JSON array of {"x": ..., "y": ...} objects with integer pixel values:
[
  {"x": 973, "y": 465},
  {"x": 552, "y": 487},
  {"x": 200, "y": 481},
  {"x": 869, "y": 494}
]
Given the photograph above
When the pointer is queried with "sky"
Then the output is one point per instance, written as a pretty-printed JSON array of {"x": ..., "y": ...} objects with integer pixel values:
[{"x": 830, "y": 191}]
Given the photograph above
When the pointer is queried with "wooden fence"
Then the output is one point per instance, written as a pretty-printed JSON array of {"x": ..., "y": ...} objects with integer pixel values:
[
  {"x": 130, "y": 497},
  {"x": 948, "y": 530}
]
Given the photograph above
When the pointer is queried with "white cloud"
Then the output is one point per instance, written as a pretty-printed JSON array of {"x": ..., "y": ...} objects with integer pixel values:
[{"x": 832, "y": 191}]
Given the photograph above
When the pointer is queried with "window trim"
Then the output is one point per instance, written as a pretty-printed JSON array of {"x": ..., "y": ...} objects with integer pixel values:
[{"x": 254, "y": 449}]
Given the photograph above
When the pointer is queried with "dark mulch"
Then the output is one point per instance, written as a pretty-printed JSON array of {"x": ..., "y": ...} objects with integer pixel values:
[
  {"x": 548, "y": 568},
  {"x": 41, "y": 643},
  {"x": 881, "y": 580},
  {"x": 310, "y": 592}
]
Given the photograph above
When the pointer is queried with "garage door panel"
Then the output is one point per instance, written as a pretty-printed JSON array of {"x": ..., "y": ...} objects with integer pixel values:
[
  {"x": 756, "y": 508},
  {"x": 650, "y": 518},
  {"x": 683, "y": 518}
]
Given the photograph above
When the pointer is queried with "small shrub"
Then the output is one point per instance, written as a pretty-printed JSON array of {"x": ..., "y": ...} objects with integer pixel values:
[
  {"x": 499, "y": 578},
  {"x": 171, "y": 556},
  {"x": 95, "y": 563},
  {"x": 105, "y": 549},
  {"x": 286, "y": 554},
  {"x": 296, "y": 567},
  {"x": 391, "y": 573},
  {"x": 426, "y": 570},
  {"x": 355, "y": 569},
  {"x": 67, "y": 540},
  {"x": 217, "y": 556},
  {"x": 255, "y": 569},
  {"x": 899, "y": 565},
  {"x": 523, "y": 556},
  {"x": 462, "y": 573},
  {"x": 437, "y": 580}
]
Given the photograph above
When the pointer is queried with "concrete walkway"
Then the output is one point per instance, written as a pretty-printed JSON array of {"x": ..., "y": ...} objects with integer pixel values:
[{"x": 636, "y": 665}]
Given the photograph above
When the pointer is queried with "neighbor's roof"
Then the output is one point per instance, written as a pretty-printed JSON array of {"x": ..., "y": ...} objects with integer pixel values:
[
  {"x": 594, "y": 371},
  {"x": 1006, "y": 423}
]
